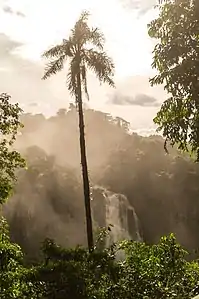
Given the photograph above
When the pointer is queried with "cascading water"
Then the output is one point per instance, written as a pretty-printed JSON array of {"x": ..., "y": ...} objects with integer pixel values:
[
  {"x": 114, "y": 209},
  {"x": 137, "y": 236}
]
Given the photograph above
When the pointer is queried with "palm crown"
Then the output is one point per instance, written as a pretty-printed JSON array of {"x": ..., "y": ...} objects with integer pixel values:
[{"x": 84, "y": 49}]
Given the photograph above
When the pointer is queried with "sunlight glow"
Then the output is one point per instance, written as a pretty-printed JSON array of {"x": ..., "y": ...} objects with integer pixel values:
[{"x": 48, "y": 21}]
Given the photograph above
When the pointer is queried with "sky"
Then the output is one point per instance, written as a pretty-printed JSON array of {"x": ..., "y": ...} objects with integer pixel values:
[{"x": 28, "y": 27}]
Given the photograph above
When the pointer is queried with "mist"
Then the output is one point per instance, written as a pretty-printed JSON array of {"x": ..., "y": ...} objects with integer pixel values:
[{"x": 48, "y": 198}]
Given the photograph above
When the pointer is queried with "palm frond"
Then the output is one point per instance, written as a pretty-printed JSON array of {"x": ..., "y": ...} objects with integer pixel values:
[
  {"x": 84, "y": 80},
  {"x": 81, "y": 33},
  {"x": 101, "y": 64},
  {"x": 69, "y": 47},
  {"x": 59, "y": 50},
  {"x": 71, "y": 83},
  {"x": 55, "y": 51},
  {"x": 97, "y": 38},
  {"x": 72, "y": 78},
  {"x": 84, "y": 16},
  {"x": 54, "y": 67}
]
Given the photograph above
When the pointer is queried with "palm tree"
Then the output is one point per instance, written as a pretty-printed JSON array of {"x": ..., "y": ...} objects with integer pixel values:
[{"x": 84, "y": 49}]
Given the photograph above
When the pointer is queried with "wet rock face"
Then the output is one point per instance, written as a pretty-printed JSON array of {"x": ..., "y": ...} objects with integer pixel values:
[{"x": 112, "y": 208}]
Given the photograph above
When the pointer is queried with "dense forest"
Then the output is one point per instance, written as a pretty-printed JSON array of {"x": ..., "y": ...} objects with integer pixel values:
[
  {"x": 162, "y": 188},
  {"x": 90, "y": 209}
]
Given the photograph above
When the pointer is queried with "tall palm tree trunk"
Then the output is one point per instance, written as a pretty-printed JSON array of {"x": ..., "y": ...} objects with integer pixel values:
[{"x": 86, "y": 185}]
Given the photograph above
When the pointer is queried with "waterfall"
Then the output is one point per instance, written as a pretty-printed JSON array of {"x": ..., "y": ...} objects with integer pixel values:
[
  {"x": 138, "y": 236},
  {"x": 113, "y": 209}
]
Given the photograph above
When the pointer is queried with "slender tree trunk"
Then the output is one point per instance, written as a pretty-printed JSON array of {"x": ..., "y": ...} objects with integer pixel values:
[{"x": 86, "y": 185}]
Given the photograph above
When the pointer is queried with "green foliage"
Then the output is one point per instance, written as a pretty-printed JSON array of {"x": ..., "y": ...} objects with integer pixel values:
[
  {"x": 11, "y": 266},
  {"x": 10, "y": 159},
  {"x": 175, "y": 57},
  {"x": 75, "y": 273},
  {"x": 158, "y": 271},
  {"x": 11, "y": 257}
]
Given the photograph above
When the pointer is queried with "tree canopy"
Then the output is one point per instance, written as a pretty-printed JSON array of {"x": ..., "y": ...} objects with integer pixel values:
[
  {"x": 175, "y": 57},
  {"x": 10, "y": 159}
]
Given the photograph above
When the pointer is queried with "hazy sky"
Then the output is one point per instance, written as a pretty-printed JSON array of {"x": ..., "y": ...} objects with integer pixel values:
[{"x": 28, "y": 27}]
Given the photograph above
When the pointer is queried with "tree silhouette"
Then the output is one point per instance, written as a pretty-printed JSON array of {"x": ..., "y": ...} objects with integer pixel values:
[{"x": 85, "y": 50}]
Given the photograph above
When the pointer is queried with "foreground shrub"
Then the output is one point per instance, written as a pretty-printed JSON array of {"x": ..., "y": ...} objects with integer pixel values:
[
  {"x": 157, "y": 271},
  {"x": 13, "y": 274}
]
